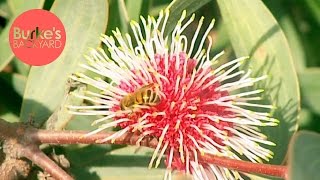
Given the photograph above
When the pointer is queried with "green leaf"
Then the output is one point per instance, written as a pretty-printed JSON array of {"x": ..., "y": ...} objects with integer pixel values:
[
  {"x": 304, "y": 160},
  {"x": 84, "y": 21},
  {"x": 122, "y": 13},
  {"x": 17, "y": 81},
  {"x": 19, "y": 6},
  {"x": 134, "y": 9},
  {"x": 117, "y": 18},
  {"x": 101, "y": 162},
  {"x": 4, "y": 10},
  {"x": 105, "y": 162},
  {"x": 306, "y": 118},
  {"x": 176, "y": 8},
  {"x": 254, "y": 31},
  {"x": 10, "y": 100},
  {"x": 154, "y": 11},
  {"x": 21, "y": 67},
  {"x": 314, "y": 8},
  {"x": 310, "y": 87},
  {"x": 282, "y": 14}
]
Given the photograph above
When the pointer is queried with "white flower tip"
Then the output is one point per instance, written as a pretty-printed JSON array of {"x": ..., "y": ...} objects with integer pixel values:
[
  {"x": 246, "y": 57},
  {"x": 133, "y": 23},
  {"x": 229, "y": 153},
  {"x": 258, "y": 159},
  {"x": 193, "y": 17},
  {"x": 142, "y": 18},
  {"x": 184, "y": 14},
  {"x": 116, "y": 33},
  {"x": 94, "y": 123},
  {"x": 103, "y": 36},
  {"x": 275, "y": 120},
  {"x": 167, "y": 10},
  {"x": 270, "y": 154},
  {"x": 269, "y": 124},
  {"x": 97, "y": 78},
  {"x": 161, "y": 13},
  {"x": 157, "y": 163},
  {"x": 88, "y": 58},
  {"x": 201, "y": 152},
  {"x": 212, "y": 22},
  {"x": 272, "y": 144},
  {"x": 150, "y": 165},
  {"x": 100, "y": 49},
  {"x": 91, "y": 49}
]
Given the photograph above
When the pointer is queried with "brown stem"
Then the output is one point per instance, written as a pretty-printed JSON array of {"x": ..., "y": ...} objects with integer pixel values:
[
  {"x": 34, "y": 154},
  {"x": 77, "y": 137},
  {"x": 72, "y": 137},
  {"x": 245, "y": 166}
]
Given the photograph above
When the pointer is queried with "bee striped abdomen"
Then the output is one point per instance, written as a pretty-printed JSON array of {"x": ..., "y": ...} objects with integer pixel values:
[{"x": 146, "y": 95}]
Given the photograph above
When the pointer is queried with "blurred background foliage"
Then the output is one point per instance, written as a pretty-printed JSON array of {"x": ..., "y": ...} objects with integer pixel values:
[{"x": 19, "y": 83}]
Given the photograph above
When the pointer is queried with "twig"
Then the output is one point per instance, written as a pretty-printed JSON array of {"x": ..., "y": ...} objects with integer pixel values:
[{"x": 34, "y": 154}]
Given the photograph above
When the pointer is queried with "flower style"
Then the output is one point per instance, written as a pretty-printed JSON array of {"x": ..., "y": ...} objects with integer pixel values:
[{"x": 174, "y": 94}]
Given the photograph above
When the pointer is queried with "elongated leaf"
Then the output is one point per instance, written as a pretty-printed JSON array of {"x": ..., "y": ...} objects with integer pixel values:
[
  {"x": 304, "y": 160},
  {"x": 254, "y": 31},
  {"x": 282, "y": 14},
  {"x": 84, "y": 21},
  {"x": 19, "y": 6},
  {"x": 310, "y": 88}
]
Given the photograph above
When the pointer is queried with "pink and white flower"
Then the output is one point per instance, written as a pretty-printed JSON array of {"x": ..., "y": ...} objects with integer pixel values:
[{"x": 198, "y": 111}]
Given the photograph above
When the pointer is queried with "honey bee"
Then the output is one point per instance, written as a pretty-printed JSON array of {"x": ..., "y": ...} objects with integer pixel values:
[{"x": 146, "y": 95}]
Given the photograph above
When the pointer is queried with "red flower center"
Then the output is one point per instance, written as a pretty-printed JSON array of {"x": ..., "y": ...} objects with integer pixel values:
[{"x": 182, "y": 104}]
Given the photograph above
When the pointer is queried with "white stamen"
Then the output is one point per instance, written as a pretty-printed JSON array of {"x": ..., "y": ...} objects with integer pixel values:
[{"x": 158, "y": 146}]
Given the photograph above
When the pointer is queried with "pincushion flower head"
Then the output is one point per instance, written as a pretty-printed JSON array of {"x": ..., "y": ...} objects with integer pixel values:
[{"x": 165, "y": 88}]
